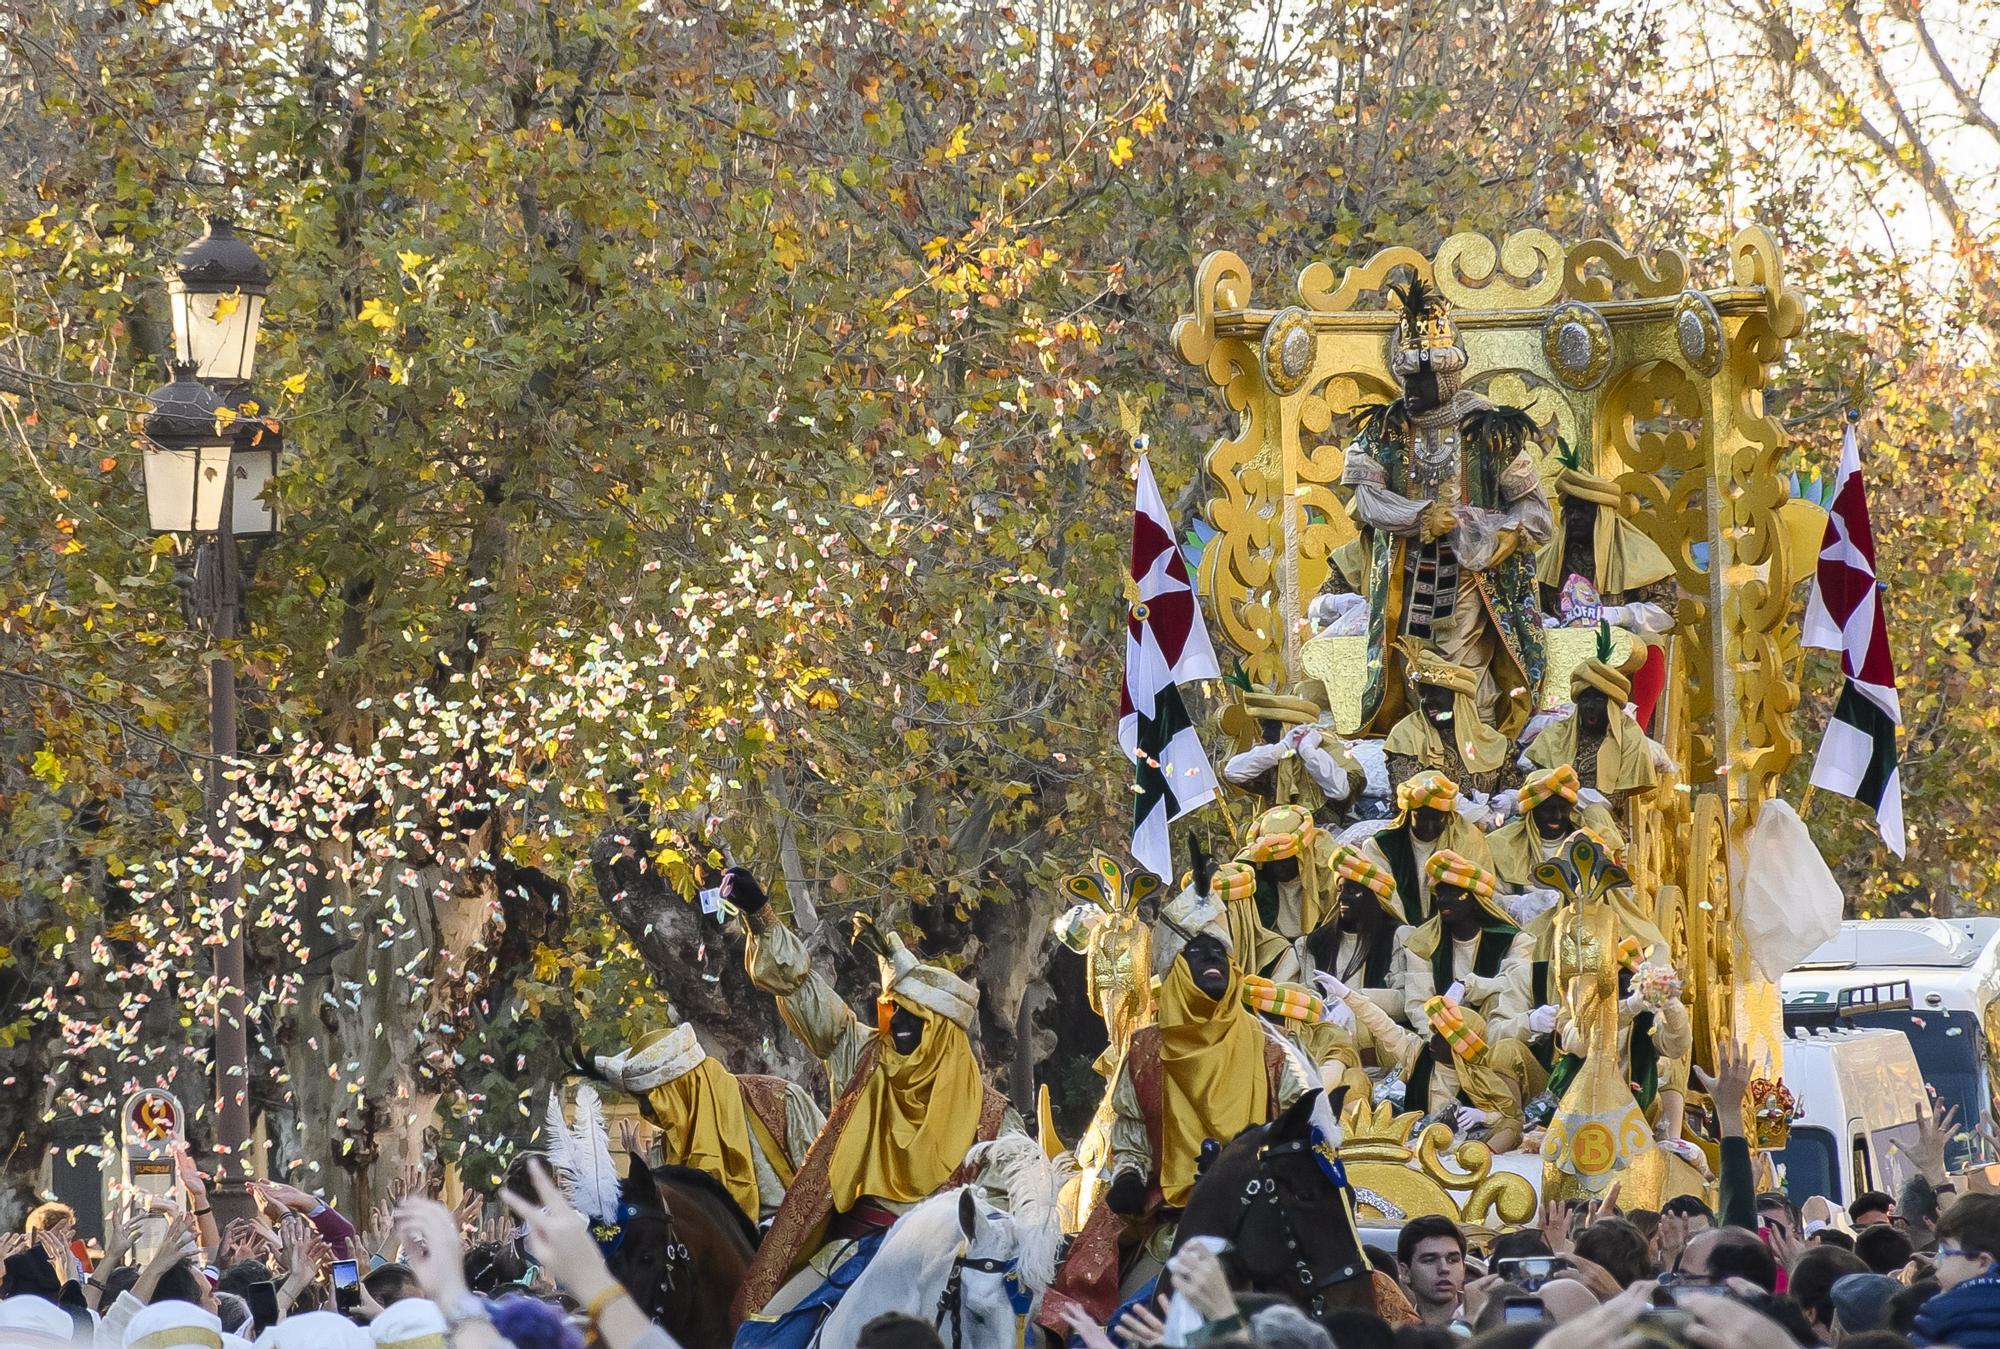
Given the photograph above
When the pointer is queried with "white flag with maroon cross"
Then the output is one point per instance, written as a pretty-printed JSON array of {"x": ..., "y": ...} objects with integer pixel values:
[
  {"x": 1857, "y": 756},
  {"x": 1166, "y": 645}
]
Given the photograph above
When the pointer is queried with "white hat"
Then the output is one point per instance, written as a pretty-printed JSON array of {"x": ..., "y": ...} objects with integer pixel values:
[
  {"x": 1187, "y": 916},
  {"x": 659, "y": 1059},
  {"x": 409, "y": 1323},
  {"x": 34, "y": 1323},
  {"x": 173, "y": 1325},
  {"x": 929, "y": 986},
  {"x": 315, "y": 1330}
]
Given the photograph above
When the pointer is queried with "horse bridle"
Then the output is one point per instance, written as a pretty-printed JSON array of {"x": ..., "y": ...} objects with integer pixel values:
[
  {"x": 951, "y": 1302},
  {"x": 1263, "y": 1187}
]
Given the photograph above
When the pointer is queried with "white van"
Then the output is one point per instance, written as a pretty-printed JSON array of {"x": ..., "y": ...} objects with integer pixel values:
[
  {"x": 1952, "y": 967},
  {"x": 1860, "y": 1098}
]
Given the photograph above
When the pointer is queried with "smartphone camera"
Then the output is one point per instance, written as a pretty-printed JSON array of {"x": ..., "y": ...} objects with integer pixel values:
[{"x": 346, "y": 1285}]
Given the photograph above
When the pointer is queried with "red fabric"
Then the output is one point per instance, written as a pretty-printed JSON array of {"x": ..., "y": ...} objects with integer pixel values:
[{"x": 1648, "y": 683}]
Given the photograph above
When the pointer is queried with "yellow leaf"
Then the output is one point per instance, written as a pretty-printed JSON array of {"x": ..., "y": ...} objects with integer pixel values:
[
  {"x": 295, "y": 384},
  {"x": 225, "y": 305},
  {"x": 411, "y": 261},
  {"x": 1121, "y": 153},
  {"x": 373, "y": 311}
]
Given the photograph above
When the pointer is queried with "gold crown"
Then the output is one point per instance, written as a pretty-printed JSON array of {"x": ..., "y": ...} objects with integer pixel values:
[{"x": 1772, "y": 1109}]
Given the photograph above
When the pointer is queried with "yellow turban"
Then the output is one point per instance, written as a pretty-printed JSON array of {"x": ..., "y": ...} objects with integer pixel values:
[
  {"x": 1595, "y": 674},
  {"x": 1480, "y": 748},
  {"x": 1427, "y": 789},
  {"x": 1462, "y": 1028},
  {"x": 1280, "y": 708},
  {"x": 1280, "y": 832},
  {"x": 1450, "y": 868},
  {"x": 1233, "y": 881},
  {"x": 1350, "y": 865},
  {"x": 1623, "y": 556},
  {"x": 1558, "y": 781}
]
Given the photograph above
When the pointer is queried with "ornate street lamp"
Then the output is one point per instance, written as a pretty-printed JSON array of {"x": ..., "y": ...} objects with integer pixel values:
[
  {"x": 217, "y": 286},
  {"x": 209, "y": 460},
  {"x": 186, "y": 455}
]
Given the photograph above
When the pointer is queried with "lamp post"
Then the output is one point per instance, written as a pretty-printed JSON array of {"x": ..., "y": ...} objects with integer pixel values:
[{"x": 206, "y": 468}]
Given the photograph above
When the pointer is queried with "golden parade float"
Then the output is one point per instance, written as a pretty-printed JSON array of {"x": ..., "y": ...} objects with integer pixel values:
[{"x": 1623, "y": 402}]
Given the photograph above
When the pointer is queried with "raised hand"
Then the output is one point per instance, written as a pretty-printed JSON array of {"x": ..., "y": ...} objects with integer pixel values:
[
  {"x": 284, "y": 1197},
  {"x": 1933, "y": 1132},
  {"x": 429, "y": 1233},
  {"x": 1673, "y": 1232},
  {"x": 179, "y": 1244},
  {"x": 740, "y": 888},
  {"x": 1553, "y": 1219},
  {"x": 1088, "y": 1333},
  {"x": 12, "y": 1244},
  {"x": 1199, "y": 1278},
  {"x": 558, "y": 1237},
  {"x": 1727, "y": 1087}
]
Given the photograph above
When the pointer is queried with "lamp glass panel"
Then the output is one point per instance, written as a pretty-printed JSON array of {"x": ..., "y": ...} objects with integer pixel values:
[
  {"x": 184, "y": 488},
  {"x": 218, "y": 333},
  {"x": 249, "y": 512}
]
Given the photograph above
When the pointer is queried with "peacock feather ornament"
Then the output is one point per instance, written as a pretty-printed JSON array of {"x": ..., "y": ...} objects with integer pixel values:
[
  {"x": 1104, "y": 927},
  {"x": 1598, "y": 1131}
]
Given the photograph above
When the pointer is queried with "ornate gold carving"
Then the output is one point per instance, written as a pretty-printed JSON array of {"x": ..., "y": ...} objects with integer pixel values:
[
  {"x": 1661, "y": 272},
  {"x": 1288, "y": 352},
  {"x": 1698, "y": 333},
  {"x": 1396, "y": 1178},
  {"x": 1576, "y": 342},
  {"x": 1525, "y": 272},
  {"x": 1355, "y": 282}
]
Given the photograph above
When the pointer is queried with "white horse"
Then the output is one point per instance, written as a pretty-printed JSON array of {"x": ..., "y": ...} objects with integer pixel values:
[{"x": 972, "y": 1269}]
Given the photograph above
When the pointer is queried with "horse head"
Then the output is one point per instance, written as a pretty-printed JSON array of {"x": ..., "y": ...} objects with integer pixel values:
[
  {"x": 650, "y": 1258},
  {"x": 961, "y": 1262},
  {"x": 984, "y": 1302},
  {"x": 1278, "y": 1194}
]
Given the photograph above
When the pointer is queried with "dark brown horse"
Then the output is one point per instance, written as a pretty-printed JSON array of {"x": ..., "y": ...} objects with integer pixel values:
[
  {"x": 1285, "y": 1213},
  {"x": 683, "y": 1251}
]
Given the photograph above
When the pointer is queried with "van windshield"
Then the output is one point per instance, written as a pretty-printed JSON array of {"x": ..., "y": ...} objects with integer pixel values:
[
  {"x": 1948, "y": 1046},
  {"x": 1811, "y": 1166}
]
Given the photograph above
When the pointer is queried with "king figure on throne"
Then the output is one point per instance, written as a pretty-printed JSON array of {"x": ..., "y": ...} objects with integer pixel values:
[{"x": 1452, "y": 509}]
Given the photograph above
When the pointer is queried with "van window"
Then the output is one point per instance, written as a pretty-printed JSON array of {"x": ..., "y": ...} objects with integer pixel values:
[
  {"x": 1949, "y": 1047},
  {"x": 1864, "y": 1171},
  {"x": 1811, "y": 1166}
]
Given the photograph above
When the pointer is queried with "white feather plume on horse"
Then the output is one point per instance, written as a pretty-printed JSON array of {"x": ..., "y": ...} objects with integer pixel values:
[{"x": 581, "y": 1154}]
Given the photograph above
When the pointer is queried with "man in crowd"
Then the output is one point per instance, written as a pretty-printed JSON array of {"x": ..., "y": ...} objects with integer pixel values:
[{"x": 1431, "y": 1251}]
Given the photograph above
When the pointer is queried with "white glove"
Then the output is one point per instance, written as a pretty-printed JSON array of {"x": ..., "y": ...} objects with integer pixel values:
[
  {"x": 1542, "y": 1021},
  {"x": 1471, "y": 1117},
  {"x": 1254, "y": 762},
  {"x": 1632, "y": 1005},
  {"x": 1644, "y": 617},
  {"x": 1529, "y": 905},
  {"x": 1330, "y": 987},
  {"x": 1338, "y": 1013},
  {"x": 1326, "y": 771}
]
